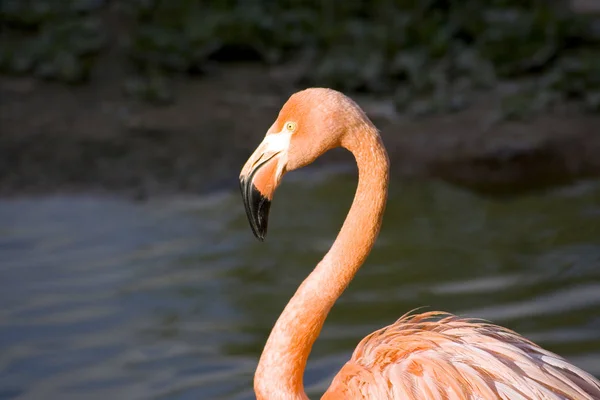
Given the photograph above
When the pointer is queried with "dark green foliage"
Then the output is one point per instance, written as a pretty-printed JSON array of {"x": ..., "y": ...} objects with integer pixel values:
[
  {"x": 52, "y": 40},
  {"x": 429, "y": 54}
]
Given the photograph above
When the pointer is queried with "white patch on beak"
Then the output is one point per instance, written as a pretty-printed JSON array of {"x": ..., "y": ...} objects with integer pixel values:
[{"x": 278, "y": 143}]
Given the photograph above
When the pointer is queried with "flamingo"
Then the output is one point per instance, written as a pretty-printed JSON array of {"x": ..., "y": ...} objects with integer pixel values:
[{"x": 433, "y": 355}]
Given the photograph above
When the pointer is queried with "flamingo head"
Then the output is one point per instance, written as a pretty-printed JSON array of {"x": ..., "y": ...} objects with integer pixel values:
[{"x": 310, "y": 123}]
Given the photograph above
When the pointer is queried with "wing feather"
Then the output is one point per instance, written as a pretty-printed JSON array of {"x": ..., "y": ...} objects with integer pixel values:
[{"x": 440, "y": 356}]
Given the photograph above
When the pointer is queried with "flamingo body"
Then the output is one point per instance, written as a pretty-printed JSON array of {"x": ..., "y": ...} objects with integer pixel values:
[
  {"x": 431, "y": 356},
  {"x": 440, "y": 356}
]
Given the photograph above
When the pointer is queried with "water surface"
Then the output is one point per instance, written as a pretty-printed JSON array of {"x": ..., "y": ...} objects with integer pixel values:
[{"x": 174, "y": 298}]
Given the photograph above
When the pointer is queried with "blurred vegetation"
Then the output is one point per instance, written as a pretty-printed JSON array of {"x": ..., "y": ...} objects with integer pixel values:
[
  {"x": 51, "y": 39},
  {"x": 430, "y": 55}
]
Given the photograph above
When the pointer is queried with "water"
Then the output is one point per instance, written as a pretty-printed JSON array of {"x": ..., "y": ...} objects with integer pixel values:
[{"x": 174, "y": 298}]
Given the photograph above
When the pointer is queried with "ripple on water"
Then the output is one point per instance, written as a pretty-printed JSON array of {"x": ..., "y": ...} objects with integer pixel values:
[{"x": 173, "y": 298}]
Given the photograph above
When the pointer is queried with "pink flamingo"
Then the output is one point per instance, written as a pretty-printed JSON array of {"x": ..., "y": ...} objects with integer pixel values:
[{"x": 427, "y": 356}]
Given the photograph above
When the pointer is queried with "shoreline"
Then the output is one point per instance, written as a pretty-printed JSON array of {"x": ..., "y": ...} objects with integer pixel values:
[{"x": 92, "y": 138}]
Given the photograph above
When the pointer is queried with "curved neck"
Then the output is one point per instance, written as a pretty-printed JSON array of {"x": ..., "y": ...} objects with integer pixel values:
[{"x": 280, "y": 371}]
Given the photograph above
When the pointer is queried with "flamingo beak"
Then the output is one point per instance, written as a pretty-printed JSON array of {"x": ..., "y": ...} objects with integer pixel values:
[{"x": 260, "y": 177}]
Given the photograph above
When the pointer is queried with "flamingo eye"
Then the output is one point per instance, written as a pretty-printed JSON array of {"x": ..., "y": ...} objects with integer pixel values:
[{"x": 290, "y": 126}]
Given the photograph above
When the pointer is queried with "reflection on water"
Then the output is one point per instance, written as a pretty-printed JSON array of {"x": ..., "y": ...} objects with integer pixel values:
[{"x": 174, "y": 298}]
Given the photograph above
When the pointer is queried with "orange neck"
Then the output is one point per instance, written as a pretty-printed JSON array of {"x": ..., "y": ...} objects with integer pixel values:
[{"x": 280, "y": 371}]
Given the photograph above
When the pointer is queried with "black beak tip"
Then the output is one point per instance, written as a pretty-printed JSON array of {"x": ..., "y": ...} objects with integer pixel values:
[{"x": 257, "y": 208}]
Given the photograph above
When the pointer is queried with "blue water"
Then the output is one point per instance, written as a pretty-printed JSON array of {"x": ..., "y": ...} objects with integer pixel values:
[{"x": 174, "y": 298}]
